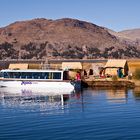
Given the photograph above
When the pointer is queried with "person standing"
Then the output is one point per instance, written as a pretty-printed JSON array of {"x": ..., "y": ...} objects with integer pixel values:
[{"x": 78, "y": 76}]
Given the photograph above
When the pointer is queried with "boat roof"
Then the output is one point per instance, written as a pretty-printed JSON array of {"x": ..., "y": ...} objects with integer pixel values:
[{"x": 30, "y": 70}]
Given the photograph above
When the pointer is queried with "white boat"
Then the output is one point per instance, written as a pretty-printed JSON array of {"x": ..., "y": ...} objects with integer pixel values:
[{"x": 46, "y": 80}]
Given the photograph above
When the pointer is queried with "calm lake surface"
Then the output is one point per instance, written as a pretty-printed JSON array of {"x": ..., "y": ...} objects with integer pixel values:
[{"x": 88, "y": 115}]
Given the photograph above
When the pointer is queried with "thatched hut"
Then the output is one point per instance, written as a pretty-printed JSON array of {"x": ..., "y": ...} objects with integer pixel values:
[
  {"x": 73, "y": 68},
  {"x": 72, "y": 65},
  {"x": 113, "y": 65},
  {"x": 23, "y": 66}
]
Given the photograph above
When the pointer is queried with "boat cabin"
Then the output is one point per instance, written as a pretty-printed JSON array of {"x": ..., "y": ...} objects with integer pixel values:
[{"x": 34, "y": 74}]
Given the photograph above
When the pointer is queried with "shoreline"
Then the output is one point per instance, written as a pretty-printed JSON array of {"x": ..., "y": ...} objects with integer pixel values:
[{"x": 109, "y": 84}]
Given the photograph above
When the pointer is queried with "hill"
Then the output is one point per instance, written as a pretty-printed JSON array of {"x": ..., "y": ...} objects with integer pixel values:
[
  {"x": 133, "y": 34},
  {"x": 62, "y": 38},
  {"x": 130, "y": 37}
]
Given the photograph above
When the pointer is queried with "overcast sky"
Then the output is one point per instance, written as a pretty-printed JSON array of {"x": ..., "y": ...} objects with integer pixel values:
[{"x": 114, "y": 14}]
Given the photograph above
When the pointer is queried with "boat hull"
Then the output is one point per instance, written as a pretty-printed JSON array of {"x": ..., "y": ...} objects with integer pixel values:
[{"x": 50, "y": 86}]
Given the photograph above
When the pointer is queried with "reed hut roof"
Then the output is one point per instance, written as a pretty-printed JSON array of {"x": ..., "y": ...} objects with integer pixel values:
[
  {"x": 24, "y": 66},
  {"x": 71, "y": 65},
  {"x": 114, "y": 63},
  {"x": 19, "y": 66}
]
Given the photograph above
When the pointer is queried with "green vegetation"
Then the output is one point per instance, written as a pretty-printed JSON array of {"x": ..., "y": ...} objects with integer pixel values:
[
  {"x": 7, "y": 51},
  {"x": 137, "y": 74},
  {"x": 114, "y": 78}
]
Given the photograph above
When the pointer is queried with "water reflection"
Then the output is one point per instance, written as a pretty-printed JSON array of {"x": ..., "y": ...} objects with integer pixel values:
[
  {"x": 102, "y": 112},
  {"x": 136, "y": 93},
  {"x": 117, "y": 95},
  {"x": 112, "y": 95},
  {"x": 33, "y": 99},
  {"x": 60, "y": 102}
]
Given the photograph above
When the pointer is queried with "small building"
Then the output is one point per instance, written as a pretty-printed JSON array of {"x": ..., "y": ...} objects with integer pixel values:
[
  {"x": 72, "y": 65},
  {"x": 113, "y": 65},
  {"x": 23, "y": 66},
  {"x": 73, "y": 68}
]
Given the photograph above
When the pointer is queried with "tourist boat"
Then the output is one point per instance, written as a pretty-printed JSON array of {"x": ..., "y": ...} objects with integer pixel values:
[{"x": 50, "y": 80}]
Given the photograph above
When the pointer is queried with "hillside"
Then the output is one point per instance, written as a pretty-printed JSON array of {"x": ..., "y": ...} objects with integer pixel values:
[
  {"x": 62, "y": 38},
  {"x": 132, "y": 34},
  {"x": 131, "y": 37}
]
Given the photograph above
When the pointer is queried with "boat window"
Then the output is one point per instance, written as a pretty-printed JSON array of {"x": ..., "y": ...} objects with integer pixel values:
[
  {"x": 31, "y": 75},
  {"x": 17, "y": 75},
  {"x": 11, "y": 75},
  {"x": 56, "y": 75},
  {"x": 14, "y": 74},
  {"x": 23, "y": 75},
  {"x": 5, "y": 75},
  {"x": 35, "y": 75},
  {"x": 1, "y": 74},
  {"x": 42, "y": 75},
  {"x": 45, "y": 75}
]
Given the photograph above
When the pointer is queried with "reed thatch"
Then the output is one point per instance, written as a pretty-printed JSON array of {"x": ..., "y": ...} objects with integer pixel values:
[
  {"x": 23, "y": 66},
  {"x": 71, "y": 65},
  {"x": 113, "y": 65}
]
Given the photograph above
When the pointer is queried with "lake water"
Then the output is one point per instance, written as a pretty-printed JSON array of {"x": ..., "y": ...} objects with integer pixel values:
[{"x": 88, "y": 115}]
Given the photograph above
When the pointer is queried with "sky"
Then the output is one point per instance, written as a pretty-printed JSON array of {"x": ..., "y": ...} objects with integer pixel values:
[{"x": 114, "y": 14}]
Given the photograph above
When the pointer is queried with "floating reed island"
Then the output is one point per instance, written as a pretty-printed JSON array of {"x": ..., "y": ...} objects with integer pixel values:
[
  {"x": 93, "y": 73},
  {"x": 114, "y": 73},
  {"x": 109, "y": 83}
]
